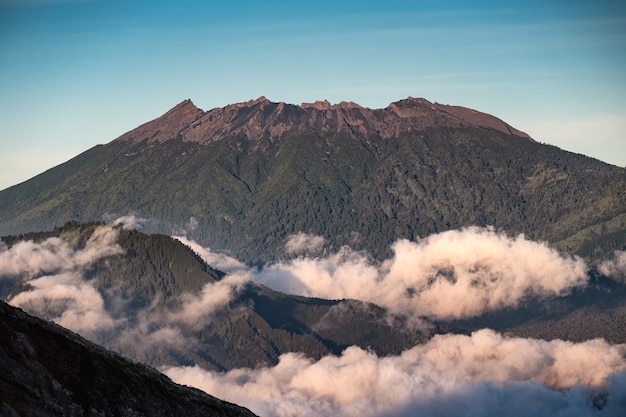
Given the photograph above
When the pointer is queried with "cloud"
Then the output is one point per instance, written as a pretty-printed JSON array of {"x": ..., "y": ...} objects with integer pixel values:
[
  {"x": 66, "y": 300},
  {"x": 29, "y": 259},
  {"x": 616, "y": 267},
  {"x": 481, "y": 374},
  {"x": 54, "y": 270},
  {"x": 303, "y": 243},
  {"x": 484, "y": 373},
  {"x": 197, "y": 307},
  {"x": 148, "y": 337},
  {"x": 219, "y": 261},
  {"x": 129, "y": 222},
  {"x": 458, "y": 273}
]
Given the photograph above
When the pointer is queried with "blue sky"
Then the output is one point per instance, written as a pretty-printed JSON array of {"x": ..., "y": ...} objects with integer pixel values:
[{"x": 76, "y": 73}]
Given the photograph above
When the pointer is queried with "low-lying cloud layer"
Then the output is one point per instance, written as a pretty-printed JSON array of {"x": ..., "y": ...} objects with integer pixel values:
[
  {"x": 453, "y": 274},
  {"x": 481, "y": 374}
]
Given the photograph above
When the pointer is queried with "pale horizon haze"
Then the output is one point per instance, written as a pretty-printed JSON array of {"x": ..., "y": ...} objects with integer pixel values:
[{"x": 77, "y": 73}]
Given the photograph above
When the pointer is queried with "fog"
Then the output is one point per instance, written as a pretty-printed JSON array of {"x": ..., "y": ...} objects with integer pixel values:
[{"x": 453, "y": 274}]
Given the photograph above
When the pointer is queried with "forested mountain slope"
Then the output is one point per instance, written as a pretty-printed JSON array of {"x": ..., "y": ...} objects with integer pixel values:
[{"x": 245, "y": 177}]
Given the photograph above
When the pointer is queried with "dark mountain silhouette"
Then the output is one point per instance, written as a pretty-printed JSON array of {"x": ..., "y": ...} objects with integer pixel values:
[
  {"x": 46, "y": 370},
  {"x": 244, "y": 177}
]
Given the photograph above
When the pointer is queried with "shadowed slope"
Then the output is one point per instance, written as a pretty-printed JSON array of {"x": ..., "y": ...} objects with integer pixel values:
[{"x": 46, "y": 370}]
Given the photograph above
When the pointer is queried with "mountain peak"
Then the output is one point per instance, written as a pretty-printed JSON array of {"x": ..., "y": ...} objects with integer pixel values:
[
  {"x": 250, "y": 103},
  {"x": 167, "y": 126},
  {"x": 318, "y": 105}
]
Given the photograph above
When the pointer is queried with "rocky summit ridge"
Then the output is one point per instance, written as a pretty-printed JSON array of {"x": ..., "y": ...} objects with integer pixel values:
[{"x": 262, "y": 118}]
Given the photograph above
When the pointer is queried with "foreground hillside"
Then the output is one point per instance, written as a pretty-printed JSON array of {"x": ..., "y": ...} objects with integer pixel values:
[
  {"x": 245, "y": 177},
  {"x": 46, "y": 370}
]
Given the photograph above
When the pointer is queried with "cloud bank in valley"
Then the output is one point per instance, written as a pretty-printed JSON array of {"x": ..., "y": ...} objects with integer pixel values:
[
  {"x": 482, "y": 374},
  {"x": 28, "y": 258},
  {"x": 459, "y": 273}
]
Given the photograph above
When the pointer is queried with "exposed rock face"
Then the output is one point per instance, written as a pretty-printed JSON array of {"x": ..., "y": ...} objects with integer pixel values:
[
  {"x": 262, "y": 118},
  {"x": 46, "y": 370}
]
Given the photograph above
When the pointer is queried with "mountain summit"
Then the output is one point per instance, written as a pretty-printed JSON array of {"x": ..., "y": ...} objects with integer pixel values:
[
  {"x": 262, "y": 118},
  {"x": 246, "y": 177}
]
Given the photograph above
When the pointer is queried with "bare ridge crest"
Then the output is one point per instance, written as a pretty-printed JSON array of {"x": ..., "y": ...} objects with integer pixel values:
[{"x": 262, "y": 118}]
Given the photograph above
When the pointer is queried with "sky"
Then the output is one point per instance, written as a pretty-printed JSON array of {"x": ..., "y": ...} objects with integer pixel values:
[{"x": 77, "y": 73}]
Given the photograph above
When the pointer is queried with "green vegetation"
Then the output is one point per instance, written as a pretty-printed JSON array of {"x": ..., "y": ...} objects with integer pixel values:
[{"x": 247, "y": 196}]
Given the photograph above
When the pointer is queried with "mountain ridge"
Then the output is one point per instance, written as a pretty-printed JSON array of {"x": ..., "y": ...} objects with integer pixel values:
[{"x": 264, "y": 118}]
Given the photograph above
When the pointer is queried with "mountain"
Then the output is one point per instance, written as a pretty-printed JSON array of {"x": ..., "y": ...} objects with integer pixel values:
[
  {"x": 46, "y": 370},
  {"x": 245, "y": 177},
  {"x": 145, "y": 285}
]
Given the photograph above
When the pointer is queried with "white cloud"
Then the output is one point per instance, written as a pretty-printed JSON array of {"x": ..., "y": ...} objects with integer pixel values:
[
  {"x": 30, "y": 259},
  {"x": 198, "y": 307},
  {"x": 303, "y": 243},
  {"x": 129, "y": 222},
  {"x": 485, "y": 373},
  {"x": 54, "y": 255},
  {"x": 615, "y": 267},
  {"x": 219, "y": 261},
  {"x": 459, "y": 273},
  {"x": 54, "y": 271},
  {"x": 66, "y": 300}
]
